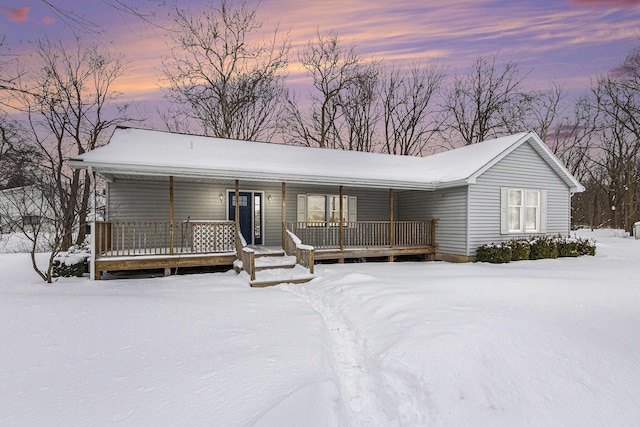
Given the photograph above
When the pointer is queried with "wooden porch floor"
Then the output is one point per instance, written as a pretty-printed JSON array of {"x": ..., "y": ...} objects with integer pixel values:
[
  {"x": 363, "y": 252},
  {"x": 148, "y": 262}
]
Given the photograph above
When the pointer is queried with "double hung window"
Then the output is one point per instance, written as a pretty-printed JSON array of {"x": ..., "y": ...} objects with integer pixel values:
[
  {"x": 320, "y": 210},
  {"x": 523, "y": 210}
]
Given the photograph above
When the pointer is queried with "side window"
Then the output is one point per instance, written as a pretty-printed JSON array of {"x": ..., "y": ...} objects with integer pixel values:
[{"x": 523, "y": 211}]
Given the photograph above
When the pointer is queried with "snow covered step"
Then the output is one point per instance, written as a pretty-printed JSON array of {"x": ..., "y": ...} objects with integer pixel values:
[
  {"x": 276, "y": 276},
  {"x": 267, "y": 251},
  {"x": 268, "y": 262}
]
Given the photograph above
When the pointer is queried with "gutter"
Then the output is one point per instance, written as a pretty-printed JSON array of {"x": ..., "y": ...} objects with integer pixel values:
[{"x": 133, "y": 169}]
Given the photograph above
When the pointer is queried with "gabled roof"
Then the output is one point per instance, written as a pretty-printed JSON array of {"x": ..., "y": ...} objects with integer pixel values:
[
  {"x": 149, "y": 152},
  {"x": 464, "y": 165}
]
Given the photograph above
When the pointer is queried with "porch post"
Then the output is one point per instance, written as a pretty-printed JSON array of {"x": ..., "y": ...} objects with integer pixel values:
[
  {"x": 340, "y": 229},
  {"x": 391, "y": 228},
  {"x": 95, "y": 275},
  {"x": 283, "y": 215},
  {"x": 171, "y": 218},
  {"x": 237, "y": 207}
]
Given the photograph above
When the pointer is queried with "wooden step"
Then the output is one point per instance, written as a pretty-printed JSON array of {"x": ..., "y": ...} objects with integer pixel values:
[
  {"x": 265, "y": 283},
  {"x": 276, "y": 276},
  {"x": 262, "y": 251},
  {"x": 269, "y": 262}
]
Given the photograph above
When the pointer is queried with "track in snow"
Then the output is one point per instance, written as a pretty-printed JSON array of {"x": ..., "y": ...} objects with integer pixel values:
[{"x": 358, "y": 388}]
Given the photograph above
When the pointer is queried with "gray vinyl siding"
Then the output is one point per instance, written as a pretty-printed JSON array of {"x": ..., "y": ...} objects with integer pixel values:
[
  {"x": 448, "y": 207},
  {"x": 144, "y": 200},
  {"x": 148, "y": 200},
  {"x": 523, "y": 168}
]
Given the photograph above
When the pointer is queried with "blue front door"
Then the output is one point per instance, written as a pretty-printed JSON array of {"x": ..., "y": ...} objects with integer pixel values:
[{"x": 250, "y": 217}]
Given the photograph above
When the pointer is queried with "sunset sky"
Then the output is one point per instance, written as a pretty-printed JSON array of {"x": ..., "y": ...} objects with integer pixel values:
[{"x": 570, "y": 40}]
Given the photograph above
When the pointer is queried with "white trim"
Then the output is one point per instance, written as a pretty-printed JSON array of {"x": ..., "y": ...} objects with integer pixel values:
[{"x": 541, "y": 212}]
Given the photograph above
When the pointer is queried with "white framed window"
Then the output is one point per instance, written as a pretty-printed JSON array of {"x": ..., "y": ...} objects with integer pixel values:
[
  {"x": 322, "y": 210},
  {"x": 523, "y": 210}
]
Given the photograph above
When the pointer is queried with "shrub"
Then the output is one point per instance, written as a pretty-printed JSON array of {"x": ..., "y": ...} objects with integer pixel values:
[
  {"x": 543, "y": 247},
  {"x": 75, "y": 262},
  {"x": 586, "y": 246},
  {"x": 567, "y": 247},
  {"x": 65, "y": 268},
  {"x": 494, "y": 253},
  {"x": 520, "y": 249},
  {"x": 535, "y": 248}
]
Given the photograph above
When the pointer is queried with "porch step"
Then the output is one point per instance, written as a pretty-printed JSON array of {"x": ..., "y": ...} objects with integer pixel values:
[
  {"x": 270, "y": 262},
  {"x": 266, "y": 251},
  {"x": 276, "y": 276}
]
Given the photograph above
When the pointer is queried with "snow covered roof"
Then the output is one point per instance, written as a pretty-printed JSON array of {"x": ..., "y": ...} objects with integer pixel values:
[{"x": 150, "y": 152}]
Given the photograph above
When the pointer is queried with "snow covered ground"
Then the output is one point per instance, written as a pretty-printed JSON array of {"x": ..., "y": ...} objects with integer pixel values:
[{"x": 549, "y": 342}]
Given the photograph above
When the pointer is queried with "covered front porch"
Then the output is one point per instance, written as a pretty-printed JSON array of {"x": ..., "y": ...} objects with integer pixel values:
[{"x": 130, "y": 242}]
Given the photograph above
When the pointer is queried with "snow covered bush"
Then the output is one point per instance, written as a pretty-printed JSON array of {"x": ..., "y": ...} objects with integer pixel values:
[
  {"x": 586, "y": 246},
  {"x": 520, "y": 249},
  {"x": 74, "y": 262},
  {"x": 494, "y": 253},
  {"x": 535, "y": 248},
  {"x": 543, "y": 247},
  {"x": 567, "y": 247}
]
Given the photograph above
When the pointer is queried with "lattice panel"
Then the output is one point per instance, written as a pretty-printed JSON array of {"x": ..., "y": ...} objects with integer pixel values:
[{"x": 212, "y": 237}]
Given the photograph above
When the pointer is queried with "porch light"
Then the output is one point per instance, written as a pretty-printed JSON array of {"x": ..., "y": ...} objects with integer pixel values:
[
  {"x": 221, "y": 197},
  {"x": 269, "y": 198}
]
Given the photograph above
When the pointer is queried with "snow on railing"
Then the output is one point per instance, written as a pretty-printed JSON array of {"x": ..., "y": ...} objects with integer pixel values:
[{"x": 304, "y": 253}]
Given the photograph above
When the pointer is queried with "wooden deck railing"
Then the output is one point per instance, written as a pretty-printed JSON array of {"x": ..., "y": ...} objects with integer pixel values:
[
  {"x": 304, "y": 254},
  {"x": 323, "y": 235},
  {"x": 137, "y": 238}
]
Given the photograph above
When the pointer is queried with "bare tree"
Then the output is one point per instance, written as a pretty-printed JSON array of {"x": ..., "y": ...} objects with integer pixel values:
[
  {"x": 339, "y": 74},
  {"x": 407, "y": 98},
  {"x": 572, "y": 138},
  {"x": 32, "y": 211},
  {"x": 617, "y": 97},
  {"x": 360, "y": 111},
  {"x": 475, "y": 104},
  {"x": 69, "y": 104},
  {"x": 219, "y": 78},
  {"x": 534, "y": 110}
]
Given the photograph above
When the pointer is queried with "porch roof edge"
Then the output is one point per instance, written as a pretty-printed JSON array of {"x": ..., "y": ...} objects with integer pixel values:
[{"x": 144, "y": 170}]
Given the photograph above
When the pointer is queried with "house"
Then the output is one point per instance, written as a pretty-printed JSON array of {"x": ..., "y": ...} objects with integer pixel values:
[
  {"x": 25, "y": 209},
  {"x": 171, "y": 200}
]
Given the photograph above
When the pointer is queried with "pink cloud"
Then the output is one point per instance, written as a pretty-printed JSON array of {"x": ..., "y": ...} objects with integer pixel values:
[
  {"x": 47, "y": 20},
  {"x": 16, "y": 14},
  {"x": 606, "y": 3}
]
